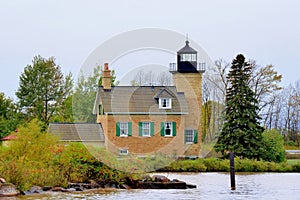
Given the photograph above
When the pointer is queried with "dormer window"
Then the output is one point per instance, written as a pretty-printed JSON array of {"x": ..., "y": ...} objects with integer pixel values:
[{"x": 165, "y": 103}]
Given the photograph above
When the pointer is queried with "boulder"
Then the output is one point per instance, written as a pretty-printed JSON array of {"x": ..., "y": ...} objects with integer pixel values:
[
  {"x": 8, "y": 190},
  {"x": 36, "y": 189},
  {"x": 57, "y": 189},
  {"x": 160, "y": 178}
]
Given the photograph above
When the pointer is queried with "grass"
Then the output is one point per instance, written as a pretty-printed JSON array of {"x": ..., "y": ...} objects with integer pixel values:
[
  {"x": 241, "y": 165},
  {"x": 293, "y": 161},
  {"x": 291, "y": 147}
]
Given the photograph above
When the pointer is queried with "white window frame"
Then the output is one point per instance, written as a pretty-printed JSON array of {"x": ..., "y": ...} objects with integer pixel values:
[
  {"x": 146, "y": 127},
  {"x": 170, "y": 127},
  {"x": 168, "y": 103},
  {"x": 123, "y": 151},
  {"x": 193, "y": 135},
  {"x": 123, "y": 129}
]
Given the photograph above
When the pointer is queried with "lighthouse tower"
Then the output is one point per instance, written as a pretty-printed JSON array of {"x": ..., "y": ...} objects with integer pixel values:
[{"x": 187, "y": 77}]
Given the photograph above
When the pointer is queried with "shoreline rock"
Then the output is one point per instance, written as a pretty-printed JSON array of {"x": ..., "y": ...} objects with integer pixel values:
[
  {"x": 8, "y": 190},
  {"x": 154, "y": 182},
  {"x": 162, "y": 182}
]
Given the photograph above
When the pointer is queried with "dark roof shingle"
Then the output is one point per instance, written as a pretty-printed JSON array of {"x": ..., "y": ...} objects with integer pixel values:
[
  {"x": 77, "y": 131},
  {"x": 139, "y": 100}
]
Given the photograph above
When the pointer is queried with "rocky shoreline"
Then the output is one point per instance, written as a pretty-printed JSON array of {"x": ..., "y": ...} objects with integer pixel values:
[{"x": 154, "y": 182}]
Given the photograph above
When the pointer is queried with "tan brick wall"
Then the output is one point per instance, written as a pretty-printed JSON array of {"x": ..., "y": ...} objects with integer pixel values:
[
  {"x": 191, "y": 85},
  {"x": 140, "y": 145}
]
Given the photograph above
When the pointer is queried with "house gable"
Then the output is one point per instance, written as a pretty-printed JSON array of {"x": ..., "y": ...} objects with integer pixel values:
[{"x": 164, "y": 93}]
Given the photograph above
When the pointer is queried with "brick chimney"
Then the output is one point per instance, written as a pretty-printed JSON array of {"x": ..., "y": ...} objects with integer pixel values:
[{"x": 106, "y": 77}]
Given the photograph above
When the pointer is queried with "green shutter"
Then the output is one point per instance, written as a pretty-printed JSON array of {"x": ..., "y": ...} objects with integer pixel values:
[
  {"x": 152, "y": 128},
  {"x": 195, "y": 136},
  {"x": 118, "y": 129},
  {"x": 100, "y": 109},
  {"x": 162, "y": 128},
  {"x": 140, "y": 129},
  {"x": 129, "y": 128},
  {"x": 174, "y": 128}
]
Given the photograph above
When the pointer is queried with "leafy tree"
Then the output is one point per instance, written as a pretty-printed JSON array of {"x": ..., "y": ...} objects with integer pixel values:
[
  {"x": 43, "y": 88},
  {"x": 143, "y": 78},
  {"x": 85, "y": 93},
  {"x": 241, "y": 131},
  {"x": 9, "y": 116},
  {"x": 211, "y": 114}
]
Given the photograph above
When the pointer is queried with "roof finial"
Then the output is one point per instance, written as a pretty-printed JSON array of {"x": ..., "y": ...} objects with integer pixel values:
[{"x": 187, "y": 39}]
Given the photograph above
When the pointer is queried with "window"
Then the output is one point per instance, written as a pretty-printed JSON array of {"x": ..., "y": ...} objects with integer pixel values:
[
  {"x": 124, "y": 129},
  {"x": 168, "y": 128},
  {"x": 188, "y": 57},
  {"x": 191, "y": 136},
  {"x": 146, "y": 129},
  {"x": 165, "y": 103},
  {"x": 123, "y": 151}
]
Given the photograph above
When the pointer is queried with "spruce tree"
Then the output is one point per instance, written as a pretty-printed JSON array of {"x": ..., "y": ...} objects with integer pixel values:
[{"x": 241, "y": 132}]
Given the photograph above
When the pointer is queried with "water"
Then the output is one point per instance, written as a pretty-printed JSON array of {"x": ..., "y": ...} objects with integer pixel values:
[{"x": 209, "y": 186}]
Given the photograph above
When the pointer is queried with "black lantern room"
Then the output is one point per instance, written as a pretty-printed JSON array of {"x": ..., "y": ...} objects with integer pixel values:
[{"x": 187, "y": 59}]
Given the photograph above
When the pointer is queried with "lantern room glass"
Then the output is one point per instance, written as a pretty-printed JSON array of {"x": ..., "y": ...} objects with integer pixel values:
[{"x": 191, "y": 57}]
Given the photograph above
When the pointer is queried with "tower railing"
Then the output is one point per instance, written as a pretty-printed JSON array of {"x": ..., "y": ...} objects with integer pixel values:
[
  {"x": 173, "y": 67},
  {"x": 201, "y": 67}
]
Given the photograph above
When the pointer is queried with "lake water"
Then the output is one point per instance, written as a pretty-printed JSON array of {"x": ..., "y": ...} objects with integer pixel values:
[{"x": 209, "y": 186}]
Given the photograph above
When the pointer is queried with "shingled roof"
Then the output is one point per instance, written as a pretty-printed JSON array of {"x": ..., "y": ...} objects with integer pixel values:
[
  {"x": 139, "y": 100},
  {"x": 77, "y": 132},
  {"x": 187, "y": 48}
]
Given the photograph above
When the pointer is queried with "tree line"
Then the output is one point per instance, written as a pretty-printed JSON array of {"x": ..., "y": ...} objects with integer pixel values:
[
  {"x": 47, "y": 94},
  {"x": 278, "y": 106}
]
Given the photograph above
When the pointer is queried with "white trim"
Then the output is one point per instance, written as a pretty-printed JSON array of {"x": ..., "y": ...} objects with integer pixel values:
[
  {"x": 193, "y": 135},
  {"x": 148, "y": 129},
  {"x": 168, "y": 102},
  {"x": 125, "y": 128}
]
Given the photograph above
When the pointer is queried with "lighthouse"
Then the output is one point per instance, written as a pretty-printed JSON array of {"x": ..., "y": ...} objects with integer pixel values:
[{"x": 187, "y": 77}]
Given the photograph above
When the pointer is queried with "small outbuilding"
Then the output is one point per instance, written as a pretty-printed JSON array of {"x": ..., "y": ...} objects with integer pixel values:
[{"x": 88, "y": 133}]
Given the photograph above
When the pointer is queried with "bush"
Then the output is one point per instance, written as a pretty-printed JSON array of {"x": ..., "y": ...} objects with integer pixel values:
[
  {"x": 36, "y": 158},
  {"x": 28, "y": 159},
  {"x": 216, "y": 165},
  {"x": 296, "y": 167},
  {"x": 273, "y": 146},
  {"x": 185, "y": 166}
]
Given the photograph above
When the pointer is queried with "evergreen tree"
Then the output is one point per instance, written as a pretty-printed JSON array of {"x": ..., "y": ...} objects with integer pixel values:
[{"x": 241, "y": 131}]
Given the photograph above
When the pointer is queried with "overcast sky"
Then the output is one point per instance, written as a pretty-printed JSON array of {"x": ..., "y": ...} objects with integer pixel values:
[{"x": 265, "y": 30}]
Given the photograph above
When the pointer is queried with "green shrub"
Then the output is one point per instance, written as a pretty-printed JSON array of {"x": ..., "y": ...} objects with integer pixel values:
[
  {"x": 28, "y": 159},
  {"x": 185, "y": 166},
  {"x": 216, "y": 165},
  {"x": 296, "y": 167},
  {"x": 36, "y": 158},
  {"x": 273, "y": 146}
]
